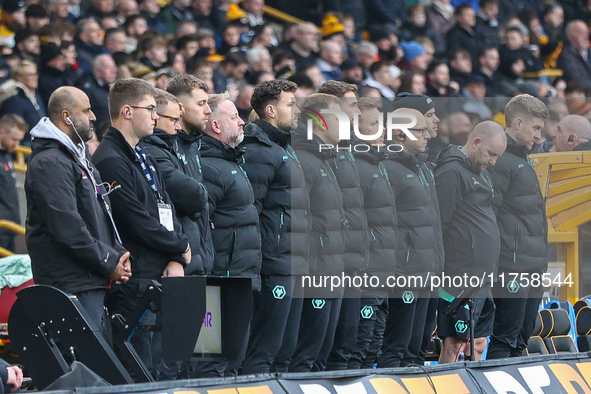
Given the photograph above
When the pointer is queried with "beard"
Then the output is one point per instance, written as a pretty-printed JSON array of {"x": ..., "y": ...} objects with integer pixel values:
[{"x": 84, "y": 131}]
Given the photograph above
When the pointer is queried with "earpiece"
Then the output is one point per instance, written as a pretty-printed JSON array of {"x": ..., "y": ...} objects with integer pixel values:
[
  {"x": 570, "y": 138},
  {"x": 402, "y": 136},
  {"x": 69, "y": 120},
  {"x": 128, "y": 113}
]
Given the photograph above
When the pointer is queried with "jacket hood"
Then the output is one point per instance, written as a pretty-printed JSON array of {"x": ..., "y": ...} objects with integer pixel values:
[
  {"x": 190, "y": 138},
  {"x": 47, "y": 130},
  {"x": 410, "y": 161},
  {"x": 280, "y": 137},
  {"x": 161, "y": 138},
  {"x": 300, "y": 141},
  {"x": 454, "y": 153},
  {"x": 211, "y": 147},
  {"x": 516, "y": 148}
]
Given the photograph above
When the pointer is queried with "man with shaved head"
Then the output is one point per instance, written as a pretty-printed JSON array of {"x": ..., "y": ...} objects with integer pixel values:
[
  {"x": 471, "y": 238},
  {"x": 71, "y": 238},
  {"x": 573, "y": 133}
]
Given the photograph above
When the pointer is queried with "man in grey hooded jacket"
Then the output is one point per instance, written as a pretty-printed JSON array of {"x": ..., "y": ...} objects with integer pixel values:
[{"x": 71, "y": 237}]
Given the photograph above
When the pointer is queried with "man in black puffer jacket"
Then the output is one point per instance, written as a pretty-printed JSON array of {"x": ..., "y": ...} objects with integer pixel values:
[
  {"x": 235, "y": 220},
  {"x": 186, "y": 193},
  {"x": 268, "y": 161},
  {"x": 521, "y": 215},
  {"x": 356, "y": 235},
  {"x": 234, "y": 217},
  {"x": 380, "y": 210},
  {"x": 322, "y": 304},
  {"x": 470, "y": 235},
  {"x": 192, "y": 95},
  {"x": 420, "y": 246}
]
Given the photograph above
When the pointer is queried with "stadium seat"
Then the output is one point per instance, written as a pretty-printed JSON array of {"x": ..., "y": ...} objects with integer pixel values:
[
  {"x": 555, "y": 327},
  {"x": 535, "y": 344},
  {"x": 583, "y": 324}
]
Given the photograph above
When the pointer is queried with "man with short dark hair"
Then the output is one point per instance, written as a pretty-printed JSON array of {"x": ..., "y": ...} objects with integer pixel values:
[
  {"x": 71, "y": 237},
  {"x": 12, "y": 131},
  {"x": 462, "y": 35},
  {"x": 270, "y": 163},
  {"x": 142, "y": 208},
  {"x": 521, "y": 215}
]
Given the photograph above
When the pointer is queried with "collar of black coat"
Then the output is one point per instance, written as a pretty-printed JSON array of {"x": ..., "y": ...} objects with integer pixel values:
[
  {"x": 117, "y": 138},
  {"x": 454, "y": 153},
  {"x": 299, "y": 141},
  {"x": 516, "y": 148},
  {"x": 371, "y": 155},
  {"x": 41, "y": 144},
  {"x": 212, "y": 147},
  {"x": 278, "y": 136},
  {"x": 583, "y": 146},
  {"x": 189, "y": 138},
  {"x": 161, "y": 138},
  {"x": 412, "y": 162}
]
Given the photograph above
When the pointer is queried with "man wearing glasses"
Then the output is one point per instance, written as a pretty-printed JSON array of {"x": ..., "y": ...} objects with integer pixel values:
[
  {"x": 142, "y": 208},
  {"x": 186, "y": 193},
  {"x": 419, "y": 249}
]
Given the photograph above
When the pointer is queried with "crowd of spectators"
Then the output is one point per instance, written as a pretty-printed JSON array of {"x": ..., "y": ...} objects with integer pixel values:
[{"x": 442, "y": 48}]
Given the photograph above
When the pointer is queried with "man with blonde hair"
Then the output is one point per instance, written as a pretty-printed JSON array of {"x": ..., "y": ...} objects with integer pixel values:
[{"x": 521, "y": 215}]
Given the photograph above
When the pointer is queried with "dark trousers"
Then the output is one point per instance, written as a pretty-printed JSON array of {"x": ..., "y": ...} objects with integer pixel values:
[
  {"x": 319, "y": 317},
  {"x": 514, "y": 321},
  {"x": 404, "y": 330},
  {"x": 430, "y": 324},
  {"x": 290, "y": 335},
  {"x": 369, "y": 333},
  {"x": 93, "y": 302},
  {"x": 345, "y": 339},
  {"x": 271, "y": 311},
  {"x": 322, "y": 358}
]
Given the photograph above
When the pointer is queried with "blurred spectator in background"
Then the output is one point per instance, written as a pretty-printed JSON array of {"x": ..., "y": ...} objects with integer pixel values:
[
  {"x": 416, "y": 26},
  {"x": 12, "y": 131},
  {"x": 488, "y": 64},
  {"x": 96, "y": 84},
  {"x": 115, "y": 40},
  {"x": 438, "y": 74},
  {"x": 440, "y": 15},
  {"x": 352, "y": 72},
  {"x": 36, "y": 17},
  {"x": 462, "y": 35},
  {"x": 487, "y": 25},
  {"x": 89, "y": 42},
  {"x": 150, "y": 9},
  {"x": 175, "y": 12},
  {"x": 52, "y": 73},
  {"x": 381, "y": 79},
  {"x": 305, "y": 44},
  {"x": 99, "y": 9},
  {"x": 12, "y": 19},
  {"x": 331, "y": 57},
  {"x": 460, "y": 67},
  {"x": 26, "y": 102},
  {"x": 28, "y": 46},
  {"x": 574, "y": 59},
  {"x": 366, "y": 54}
]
